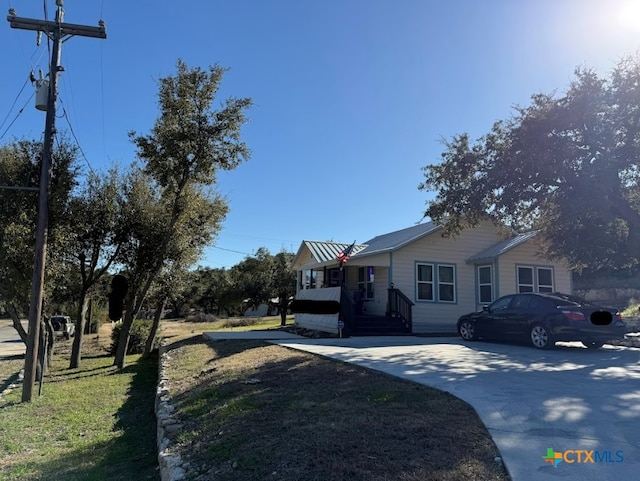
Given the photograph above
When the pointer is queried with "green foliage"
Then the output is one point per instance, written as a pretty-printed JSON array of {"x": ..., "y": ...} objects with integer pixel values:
[
  {"x": 19, "y": 166},
  {"x": 173, "y": 208},
  {"x": 138, "y": 335},
  {"x": 566, "y": 166}
]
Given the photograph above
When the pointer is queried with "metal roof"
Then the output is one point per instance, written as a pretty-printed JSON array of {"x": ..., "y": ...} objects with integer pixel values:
[
  {"x": 328, "y": 251},
  {"x": 500, "y": 248},
  {"x": 395, "y": 240}
]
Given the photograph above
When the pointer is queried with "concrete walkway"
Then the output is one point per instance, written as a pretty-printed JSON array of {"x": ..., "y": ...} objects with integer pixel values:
[{"x": 582, "y": 403}]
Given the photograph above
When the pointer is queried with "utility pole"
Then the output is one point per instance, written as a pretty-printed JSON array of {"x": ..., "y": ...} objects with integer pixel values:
[{"x": 58, "y": 32}]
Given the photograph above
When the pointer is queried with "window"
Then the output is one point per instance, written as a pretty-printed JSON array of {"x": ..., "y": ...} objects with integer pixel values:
[
  {"x": 425, "y": 282},
  {"x": 535, "y": 279},
  {"x": 545, "y": 279},
  {"x": 435, "y": 282},
  {"x": 485, "y": 284},
  {"x": 333, "y": 277},
  {"x": 366, "y": 279},
  {"x": 446, "y": 284},
  {"x": 525, "y": 279},
  {"x": 310, "y": 279}
]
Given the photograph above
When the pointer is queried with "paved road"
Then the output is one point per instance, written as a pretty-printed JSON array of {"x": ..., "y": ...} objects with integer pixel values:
[
  {"x": 569, "y": 398},
  {"x": 10, "y": 343}
]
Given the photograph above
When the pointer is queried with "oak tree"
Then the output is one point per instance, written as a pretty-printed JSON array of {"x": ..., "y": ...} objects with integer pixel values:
[{"x": 566, "y": 165}]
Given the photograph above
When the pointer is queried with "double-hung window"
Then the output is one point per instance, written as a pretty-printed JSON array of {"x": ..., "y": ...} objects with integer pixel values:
[
  {"x": 535, "y": 279},
  {"x": 435, "y": 282},
  {"x": 446, "y": 284},
  {"x": 424, "y": 279},
  {"x": 485, "y": 284}
]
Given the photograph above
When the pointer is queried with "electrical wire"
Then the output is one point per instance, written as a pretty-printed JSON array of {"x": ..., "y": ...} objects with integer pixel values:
[
  {"x": 15, "y": 101},
  {"x": 231, "y": 250},
  {"x": 104, "y": 135},
  {"x": 64, "y": 114},
  {"x": 16, "y": 117}
]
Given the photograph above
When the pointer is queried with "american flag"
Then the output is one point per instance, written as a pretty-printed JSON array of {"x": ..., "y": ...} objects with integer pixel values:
[{"x": 344, "y": 255}]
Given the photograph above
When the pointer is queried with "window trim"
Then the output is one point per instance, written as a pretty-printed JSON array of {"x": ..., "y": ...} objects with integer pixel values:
[
  {"x": 367, "y": 282},
  {"x": 481, "y": 284},
  {"x": 535, "y": 276},
  {"x": 435, "y": 282},
  {"x": 432, "y": 282},
  {"x": 452, "y": 284},
  {"x": 552, "y": 286}
]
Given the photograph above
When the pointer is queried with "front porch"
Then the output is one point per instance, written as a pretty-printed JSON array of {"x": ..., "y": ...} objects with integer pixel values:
[
  {"x": 352, "y": 319},
  {"x": 369, "y": 303}
]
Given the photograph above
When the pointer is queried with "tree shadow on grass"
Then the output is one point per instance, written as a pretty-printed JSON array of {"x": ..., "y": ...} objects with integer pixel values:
[
  {"x": 220, "y": 349},
  {"x": 130, "y": 456}
]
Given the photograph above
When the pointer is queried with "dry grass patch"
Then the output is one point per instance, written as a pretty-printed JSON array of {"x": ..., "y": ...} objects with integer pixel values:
[{"x": 252, "y": 410}]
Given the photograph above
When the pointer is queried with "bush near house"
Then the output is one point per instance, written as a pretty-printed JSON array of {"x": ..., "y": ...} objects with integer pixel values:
[{"x": 138, "y": 335}]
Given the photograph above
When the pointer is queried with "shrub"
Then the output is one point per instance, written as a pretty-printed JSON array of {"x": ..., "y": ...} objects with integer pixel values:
[
  {"x": 201, "y": 317},
  {"x": 140, "y": 330},
  {"x": 241, "y": 322}
]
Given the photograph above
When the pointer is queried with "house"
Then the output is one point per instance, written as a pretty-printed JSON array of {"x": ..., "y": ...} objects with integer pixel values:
[{"x": 418, "y": 279}]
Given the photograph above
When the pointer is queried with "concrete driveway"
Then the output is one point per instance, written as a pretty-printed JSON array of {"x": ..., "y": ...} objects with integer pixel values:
[{"x": 582, "y": 404}]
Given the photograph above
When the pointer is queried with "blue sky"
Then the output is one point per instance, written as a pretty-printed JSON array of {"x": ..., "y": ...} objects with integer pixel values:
[{"x": 352, "y": 97}]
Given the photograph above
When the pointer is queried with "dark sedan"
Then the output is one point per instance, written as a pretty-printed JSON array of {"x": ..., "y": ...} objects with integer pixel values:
[{"x": 543, "y": 319}]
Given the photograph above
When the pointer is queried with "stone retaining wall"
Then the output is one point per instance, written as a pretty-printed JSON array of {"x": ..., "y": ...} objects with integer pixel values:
[
  {"x": 172, "y": 468},
  {"x": 614, "y": 296}
]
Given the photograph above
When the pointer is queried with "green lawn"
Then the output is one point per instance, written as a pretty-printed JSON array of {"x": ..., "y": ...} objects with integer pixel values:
[{"x": 91, "y": 423}]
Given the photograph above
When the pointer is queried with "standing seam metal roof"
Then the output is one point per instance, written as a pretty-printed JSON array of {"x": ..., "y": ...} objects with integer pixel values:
[{"x": 328, "y": 251}]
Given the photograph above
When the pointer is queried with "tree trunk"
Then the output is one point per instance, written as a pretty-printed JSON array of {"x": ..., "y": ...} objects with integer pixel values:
[
  {"x": 132, "y": 307},
  {"x": 283, "y": 306},
  {"x": 76, "y": 350},
  {"x": 123, "y": 341},
  {"x": 154, "y": 328}
]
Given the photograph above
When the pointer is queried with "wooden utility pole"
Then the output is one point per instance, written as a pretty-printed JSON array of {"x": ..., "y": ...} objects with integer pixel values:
[{"x": 57, "y": 31}]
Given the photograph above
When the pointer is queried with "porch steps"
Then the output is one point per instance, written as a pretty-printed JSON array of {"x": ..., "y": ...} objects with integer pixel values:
[{"x": 378, "y": 326}]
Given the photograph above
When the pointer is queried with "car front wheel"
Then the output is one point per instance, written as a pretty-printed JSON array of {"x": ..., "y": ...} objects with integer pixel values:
[
  {"x": 467, "y": 331},
  {"x": 592, "y": 344},
  {"x": 541, "y": 337}
]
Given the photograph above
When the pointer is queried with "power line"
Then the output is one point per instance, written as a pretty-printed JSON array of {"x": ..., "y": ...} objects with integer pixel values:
[
  {"x": 231, "y": 250},
  {"x": 15, "y": 101},
  {"x": 16, "y": 117},
  {"x": 66, "y": 116}
]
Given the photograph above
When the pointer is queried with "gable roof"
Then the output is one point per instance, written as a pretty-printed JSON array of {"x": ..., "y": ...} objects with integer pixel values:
[
  {"x": 395, "y": 240},
  {"x": 327, "y": 252},
  {"x": 500, "y": 248}
]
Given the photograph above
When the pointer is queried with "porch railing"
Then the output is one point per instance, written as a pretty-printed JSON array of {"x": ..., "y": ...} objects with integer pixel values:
[{"x": 400, "y": 307}]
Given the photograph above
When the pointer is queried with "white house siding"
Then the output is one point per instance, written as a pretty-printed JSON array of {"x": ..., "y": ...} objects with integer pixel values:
[
  {"x": 306, "y": 258},
  {"x": 526, "y": 255},
  {"x": 442, "y": 316}
]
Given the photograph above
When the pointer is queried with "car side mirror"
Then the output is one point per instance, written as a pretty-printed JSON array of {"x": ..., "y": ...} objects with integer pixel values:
[{"x": 485, "y": 308}]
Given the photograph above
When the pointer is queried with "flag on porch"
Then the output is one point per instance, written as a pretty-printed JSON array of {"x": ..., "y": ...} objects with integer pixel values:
[{"x": 345, "y": 254}]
